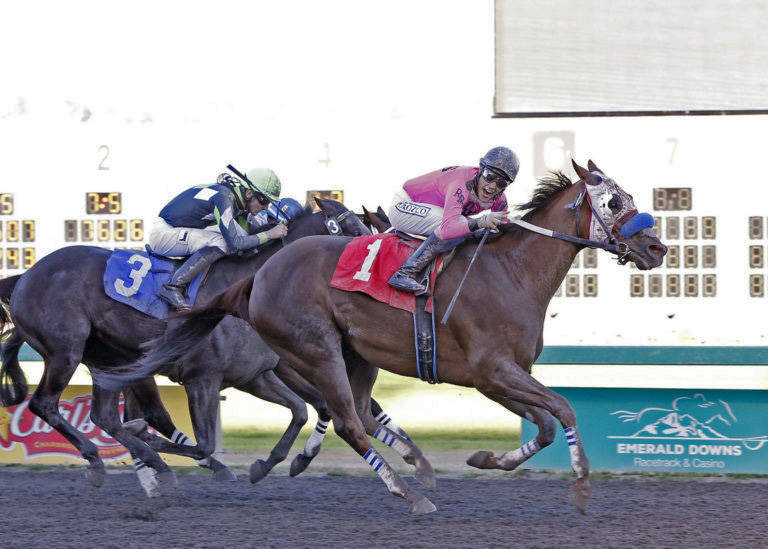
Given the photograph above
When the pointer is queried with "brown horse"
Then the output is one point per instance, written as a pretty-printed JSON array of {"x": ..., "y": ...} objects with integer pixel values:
[{"x": 336, "y": 339}]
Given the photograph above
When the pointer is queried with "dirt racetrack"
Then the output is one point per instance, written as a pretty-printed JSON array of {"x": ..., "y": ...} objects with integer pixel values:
[{"x": 59, "y": 509}]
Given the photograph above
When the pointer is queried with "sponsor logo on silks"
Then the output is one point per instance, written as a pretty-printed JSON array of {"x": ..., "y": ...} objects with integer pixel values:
[
  {"x": 449, "y": 168},
  {"x": 710, "y": 428},
  {"x": 413, "y": 209},
  {"x": 19, "y": 426}
]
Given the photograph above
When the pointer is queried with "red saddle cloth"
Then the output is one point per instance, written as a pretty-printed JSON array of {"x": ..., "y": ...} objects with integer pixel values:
[{"x": 367, "y": 264}]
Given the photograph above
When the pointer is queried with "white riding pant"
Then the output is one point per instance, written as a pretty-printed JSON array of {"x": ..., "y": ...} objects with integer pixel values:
[
  {"x": 414, "y": 217},
  {"x": 170, "y": 241}
]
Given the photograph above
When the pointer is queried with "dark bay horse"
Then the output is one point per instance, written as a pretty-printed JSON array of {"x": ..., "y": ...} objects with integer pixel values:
[
  {"x": 59, "y": 307},
  {"x": 337, "y": 339}
]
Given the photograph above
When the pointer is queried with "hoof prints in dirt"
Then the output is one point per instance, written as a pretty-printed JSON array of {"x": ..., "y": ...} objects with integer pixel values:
[{"x": 62, "y": 509}]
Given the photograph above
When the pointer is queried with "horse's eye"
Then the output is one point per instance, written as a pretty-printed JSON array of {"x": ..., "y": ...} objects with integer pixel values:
[{"x": 614, "y": 203}]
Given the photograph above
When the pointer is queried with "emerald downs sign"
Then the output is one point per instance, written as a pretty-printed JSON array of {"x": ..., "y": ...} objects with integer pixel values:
[{"x": 684, "y": 430}]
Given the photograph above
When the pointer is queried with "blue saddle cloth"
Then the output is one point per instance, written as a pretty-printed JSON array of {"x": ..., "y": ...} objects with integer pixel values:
[{"x": 133, "y": 277}]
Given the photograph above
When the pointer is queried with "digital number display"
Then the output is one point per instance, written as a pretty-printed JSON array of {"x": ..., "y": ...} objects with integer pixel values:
[
  {"x": 103, "y": 203},
  {"x": 6, "y": 203},
  {"x": 690, "y": 285},
  {"x": 673, "y": 228},
  {"x": 28, "y": 257},
  {"x": 12, "y": 231},
  {"x": 11, "y": 258},
  {"x": 103, "y": 230},
  {"x": 337, "y": 195},
  {"x": 755, "y": 228},
  {"x": 672, "y": 198}
]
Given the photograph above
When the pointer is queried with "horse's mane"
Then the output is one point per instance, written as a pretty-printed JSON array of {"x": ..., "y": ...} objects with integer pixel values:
[{"x": 549, "y": 187}]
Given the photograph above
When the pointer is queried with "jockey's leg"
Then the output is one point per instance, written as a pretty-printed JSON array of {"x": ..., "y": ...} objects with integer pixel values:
[
  {"x": 405, "y": 278},
  {"x": 173, "y": 292}
]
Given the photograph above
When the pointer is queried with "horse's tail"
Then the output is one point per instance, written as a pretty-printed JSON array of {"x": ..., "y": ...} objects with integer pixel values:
[
  {"x": 176, "y": 343},
  {"x": 6, "y": 290},
  {"x": 13, "y": 382}
]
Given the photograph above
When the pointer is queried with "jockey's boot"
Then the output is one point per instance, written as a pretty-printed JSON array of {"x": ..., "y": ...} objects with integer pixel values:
[
  {"x": 173, "y": 292},
  {"x": 405, "y": 277}
]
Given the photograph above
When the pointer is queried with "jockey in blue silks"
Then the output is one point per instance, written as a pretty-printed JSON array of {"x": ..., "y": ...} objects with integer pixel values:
[{"x": 206, "y": 222}]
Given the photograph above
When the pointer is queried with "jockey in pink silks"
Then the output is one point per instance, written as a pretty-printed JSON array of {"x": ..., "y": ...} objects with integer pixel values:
[{"x": 438, "y": 205}]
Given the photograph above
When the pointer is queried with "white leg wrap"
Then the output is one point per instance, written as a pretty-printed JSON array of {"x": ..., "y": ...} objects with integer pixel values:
[
  {"x": 387, "y": 422},
  {"x": 382, "y": 469},
  {"x": 385, "y": 435},
  {"x": 312, "y": 447},
  {"x": 180, "y": 438},
  {"x": 147, "y": 478},
  {"x": 574, "y": 446},
  {"x": 516, "y": 457}
]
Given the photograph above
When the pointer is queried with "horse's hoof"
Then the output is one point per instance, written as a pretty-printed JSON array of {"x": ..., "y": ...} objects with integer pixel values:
[
  {"x": 582, "y": 491},
  {"x": 224, "y": 475},
  {"x": 425, "y": 475},
  {"x": 300, "y": 464},
  {"x": 148, "y": 482},
  {"x": 167, "y": 478},
  {"x": 483, "y": 459},
  {"x": 135, "y": 426},
  {"x": 258, "y": 470},
  {"x": 420, "y": 505},
  {"x": 95, "y": 476}
]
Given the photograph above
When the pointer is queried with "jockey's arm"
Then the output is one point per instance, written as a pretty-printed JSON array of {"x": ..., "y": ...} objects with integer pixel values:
[
  {"x": 237, "y": 239},
  {"x": 454, "y": 224}
]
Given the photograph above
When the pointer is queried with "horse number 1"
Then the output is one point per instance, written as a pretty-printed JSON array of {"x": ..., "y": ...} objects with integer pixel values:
[{"x": 364, "y": 273}]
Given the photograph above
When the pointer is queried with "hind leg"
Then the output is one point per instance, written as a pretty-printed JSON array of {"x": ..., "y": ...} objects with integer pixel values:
[
  {"x": 362, "y": 376},
  {"x": 313, "y": 397},
  {"x": 45, "y": 404},
  {"x": 268, "y": 386},
  {"x": 329, "y": 374},
  {"x": 105, "y": 414},
  {"x": 143, "y": 406}
]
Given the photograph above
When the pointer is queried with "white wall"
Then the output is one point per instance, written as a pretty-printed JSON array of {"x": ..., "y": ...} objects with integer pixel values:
[{"x": 393, "y": 89}]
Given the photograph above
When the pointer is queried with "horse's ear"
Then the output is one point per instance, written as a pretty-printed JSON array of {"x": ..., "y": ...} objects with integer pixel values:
[
  {"x": 585, "y": 175},
  {"x": 319, "y": 201},
  {"x": 591, "y": 166},
  {"x": 365, "y": 211},
  {"x": 382, "y": 214}
]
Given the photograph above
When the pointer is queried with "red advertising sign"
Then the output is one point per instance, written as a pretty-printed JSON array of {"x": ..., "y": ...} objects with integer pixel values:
[{"x": 19, "y": 427}]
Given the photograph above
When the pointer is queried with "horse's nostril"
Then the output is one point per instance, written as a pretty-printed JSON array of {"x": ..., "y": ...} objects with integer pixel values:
[{"x": 657, "y": 249}]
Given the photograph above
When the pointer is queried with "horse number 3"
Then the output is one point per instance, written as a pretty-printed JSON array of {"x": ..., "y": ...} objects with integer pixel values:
[
  {"x": 136, "y": 274},
  {"x": 364, "y": 273}
]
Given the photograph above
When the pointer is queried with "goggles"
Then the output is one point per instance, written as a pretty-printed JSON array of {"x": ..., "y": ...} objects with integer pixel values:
[
  {"x": 250, "y": 194},
  {"x": 495, "y": 176}
]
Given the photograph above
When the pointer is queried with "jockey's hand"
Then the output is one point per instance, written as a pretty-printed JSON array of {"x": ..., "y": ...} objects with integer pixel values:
[
  {"x": 492, "y": 220},
  {"x": 278, "y": 231}
]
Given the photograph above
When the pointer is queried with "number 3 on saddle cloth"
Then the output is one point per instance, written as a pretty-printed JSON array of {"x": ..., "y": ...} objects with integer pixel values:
[
  {"x": 133, "y": 277},
  {"x": 367, "y": 264}
]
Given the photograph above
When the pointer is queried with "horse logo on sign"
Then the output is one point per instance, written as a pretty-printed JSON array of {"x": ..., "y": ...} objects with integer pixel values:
[{"x": 688, "y": 418}]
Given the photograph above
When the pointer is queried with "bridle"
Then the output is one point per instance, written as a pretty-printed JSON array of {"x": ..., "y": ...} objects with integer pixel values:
[
  {"x": 333, "y": 223},
  {"x": 621, "y": 249}
]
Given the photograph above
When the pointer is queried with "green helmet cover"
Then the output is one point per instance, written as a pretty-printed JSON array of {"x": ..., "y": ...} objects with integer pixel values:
[{"x": 265, "y": 181}]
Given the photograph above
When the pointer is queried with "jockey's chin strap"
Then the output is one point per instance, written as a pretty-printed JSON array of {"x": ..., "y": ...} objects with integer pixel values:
[{"x": 611, "y": 245}]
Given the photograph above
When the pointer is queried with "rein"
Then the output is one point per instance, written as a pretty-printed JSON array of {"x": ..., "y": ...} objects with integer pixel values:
[{"x": 621, "y": 249}]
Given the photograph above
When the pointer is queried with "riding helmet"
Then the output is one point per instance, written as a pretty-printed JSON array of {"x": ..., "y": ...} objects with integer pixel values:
[{"x": 503, "y": 160}]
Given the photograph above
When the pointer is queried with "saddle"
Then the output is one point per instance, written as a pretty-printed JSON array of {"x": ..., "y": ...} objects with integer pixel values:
[
  {"x": 366, "y": 266},
  {"x": 133, "y": 277}
]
